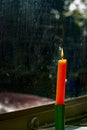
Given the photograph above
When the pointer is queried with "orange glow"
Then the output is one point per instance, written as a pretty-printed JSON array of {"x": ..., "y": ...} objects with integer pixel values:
[
  {"x": 62, "y": 53},
  {"x": 61, "y": 77}
]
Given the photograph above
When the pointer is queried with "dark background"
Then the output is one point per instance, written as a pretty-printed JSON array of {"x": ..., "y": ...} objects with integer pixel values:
[{"x": 30, "y": 37}]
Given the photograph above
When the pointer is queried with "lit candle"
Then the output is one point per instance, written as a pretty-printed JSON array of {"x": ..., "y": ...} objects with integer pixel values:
[{"x": 61, "y": 77}]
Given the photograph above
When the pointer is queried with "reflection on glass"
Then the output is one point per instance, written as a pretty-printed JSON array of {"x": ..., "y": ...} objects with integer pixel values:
[{"x": 31, "y": 35}]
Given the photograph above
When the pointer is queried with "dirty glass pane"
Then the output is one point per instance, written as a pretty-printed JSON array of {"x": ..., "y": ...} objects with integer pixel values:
[{"x": 31, "y": 35}]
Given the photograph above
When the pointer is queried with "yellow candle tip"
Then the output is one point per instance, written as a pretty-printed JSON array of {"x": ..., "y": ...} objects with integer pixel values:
[{"x": 62, "y": 53}]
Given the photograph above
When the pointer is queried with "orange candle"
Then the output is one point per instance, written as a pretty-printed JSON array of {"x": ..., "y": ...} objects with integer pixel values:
[{"x": 61, "y": 77}]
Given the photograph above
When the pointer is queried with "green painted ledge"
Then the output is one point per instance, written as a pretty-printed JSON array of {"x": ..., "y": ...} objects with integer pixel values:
[{"x": 75, "y": 112}]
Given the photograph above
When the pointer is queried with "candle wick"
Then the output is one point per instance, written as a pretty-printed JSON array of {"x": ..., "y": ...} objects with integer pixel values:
[{"x": 62, "y": 53}]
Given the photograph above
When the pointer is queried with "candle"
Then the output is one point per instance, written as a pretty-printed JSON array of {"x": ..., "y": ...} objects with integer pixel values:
[{"x": 61, "y": 77}]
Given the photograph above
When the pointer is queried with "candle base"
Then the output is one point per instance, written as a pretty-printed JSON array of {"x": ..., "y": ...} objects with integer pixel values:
[{"x": 59, "y": 117}]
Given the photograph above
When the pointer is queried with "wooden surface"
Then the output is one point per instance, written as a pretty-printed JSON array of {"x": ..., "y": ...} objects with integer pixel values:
[
  {"x": 11, "y": 102},
  {"x": 26, "y": 107}
]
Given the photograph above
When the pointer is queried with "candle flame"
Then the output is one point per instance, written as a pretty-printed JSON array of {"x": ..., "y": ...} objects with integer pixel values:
[{"x": 62, "y": 53}]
